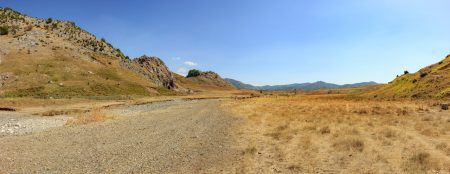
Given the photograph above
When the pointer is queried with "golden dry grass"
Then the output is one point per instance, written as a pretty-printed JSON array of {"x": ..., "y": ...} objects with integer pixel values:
[
  {"x": 96, "y": 115},
  {"x": 329, "y": 134}
]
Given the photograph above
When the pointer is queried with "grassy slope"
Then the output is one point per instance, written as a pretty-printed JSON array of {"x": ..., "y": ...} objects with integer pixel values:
[
  {"x": 198, "y": 84},
  {"x": 430, "y": 82},
  {"x": 55, "y": 73}
]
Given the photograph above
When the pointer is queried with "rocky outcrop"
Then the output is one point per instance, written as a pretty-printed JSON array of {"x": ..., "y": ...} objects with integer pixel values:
[
  {"x": 155, "y": 70},
  {"x": 210, "y": 78}
]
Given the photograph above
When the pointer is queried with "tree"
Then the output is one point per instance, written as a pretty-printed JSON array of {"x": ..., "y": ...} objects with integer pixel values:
[
  {"x": 406, "y": 72},
  {"x": 49, "y": 20},
  {"x": 193, "y": 73}
]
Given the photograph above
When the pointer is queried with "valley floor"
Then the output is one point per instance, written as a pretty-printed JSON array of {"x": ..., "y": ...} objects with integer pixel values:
[
  {"x": 166, "y": 137},
  {"x": 330, "y": 134},
  {"x": 267, "y": 134}
]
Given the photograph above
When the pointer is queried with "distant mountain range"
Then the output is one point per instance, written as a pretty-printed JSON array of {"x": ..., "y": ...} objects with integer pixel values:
[{"x": 299, "y": 86}]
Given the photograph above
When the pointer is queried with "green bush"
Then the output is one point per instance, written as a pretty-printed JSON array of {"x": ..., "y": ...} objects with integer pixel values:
[
  {"x": 3, "y": 30},
  {"x": 49, "y": 20},
  {"x": 193, "y": 73}
]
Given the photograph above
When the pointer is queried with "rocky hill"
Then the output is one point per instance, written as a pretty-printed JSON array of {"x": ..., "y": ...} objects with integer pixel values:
[
  {"x": 31, "y": 32},
  {"x": 52, "y": 58},
  {"x": 197, "y": 80},
  {"x": 298, "y": 86},
  {"x": 430, "y": 82},
  {"x": 154, "y": 69}
]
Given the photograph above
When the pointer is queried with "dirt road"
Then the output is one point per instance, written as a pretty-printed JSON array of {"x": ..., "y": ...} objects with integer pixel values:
[{"x": 170, "y": 137}]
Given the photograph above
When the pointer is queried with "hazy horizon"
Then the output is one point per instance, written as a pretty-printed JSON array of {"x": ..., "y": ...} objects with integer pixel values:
[{"x": 268, "y": 42}]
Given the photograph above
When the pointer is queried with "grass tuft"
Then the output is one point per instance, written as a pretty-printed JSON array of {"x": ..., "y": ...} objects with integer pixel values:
[{"x": 93, "y": 116}]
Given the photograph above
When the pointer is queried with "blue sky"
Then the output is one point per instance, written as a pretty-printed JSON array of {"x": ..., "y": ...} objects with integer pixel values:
[{"x": 268, "y": 41}]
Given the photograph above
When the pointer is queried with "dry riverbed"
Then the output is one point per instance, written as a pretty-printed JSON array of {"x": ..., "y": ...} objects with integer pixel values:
[{"x": 165, "y": 137}]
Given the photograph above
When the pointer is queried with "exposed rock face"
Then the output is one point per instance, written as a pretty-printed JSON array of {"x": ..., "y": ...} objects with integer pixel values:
[{"x": 155, "y": 70}]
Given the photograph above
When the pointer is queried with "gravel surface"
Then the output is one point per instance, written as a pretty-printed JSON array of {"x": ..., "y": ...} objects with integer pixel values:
[
  {"x": 173, "y": 137},
  {"x": 136, "y": 109},
  {"x": 14, "y": 123}
]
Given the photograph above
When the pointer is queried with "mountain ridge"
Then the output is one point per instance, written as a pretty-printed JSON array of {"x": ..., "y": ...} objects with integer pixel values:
[{"x": 299, "y": 86}]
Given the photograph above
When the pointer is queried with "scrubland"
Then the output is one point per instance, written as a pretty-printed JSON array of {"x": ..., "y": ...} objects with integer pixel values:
[{"x": 333, "y": 134}]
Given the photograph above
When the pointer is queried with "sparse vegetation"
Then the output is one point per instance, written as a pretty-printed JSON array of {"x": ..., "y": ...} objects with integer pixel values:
[
  {"x": 344, "y": 135},
  {"x": 350, "y": 144},
  {"x": 96, "y": 115},
  {"x": 419, "y": 162}
]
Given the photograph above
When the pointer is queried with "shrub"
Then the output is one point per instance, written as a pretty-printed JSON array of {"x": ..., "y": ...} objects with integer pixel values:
[
  {"x": 3, "y": 30},
  {"x": 419, "y": 162},
  {"x": 49, "y": 20},
  {"x": 193, "y": 73},
  {"x": 350, "y": 144},
  {"x": 120, "y": 54},
  {"x": 406, "y": 72},
  {"x": 423, "y": 74},
  {"x": 325, "y": 130}
]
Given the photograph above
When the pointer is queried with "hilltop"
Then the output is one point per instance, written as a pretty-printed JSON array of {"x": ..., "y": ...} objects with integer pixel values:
[
  {"x": 299, "y": 86},
  {"x": 199, "y": 80}
]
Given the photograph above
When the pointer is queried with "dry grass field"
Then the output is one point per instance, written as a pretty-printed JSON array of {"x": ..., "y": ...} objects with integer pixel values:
[{"x": 332, "y": 134}]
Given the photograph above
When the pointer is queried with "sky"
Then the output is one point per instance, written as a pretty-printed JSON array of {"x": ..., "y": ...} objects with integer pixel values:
[{"x": 267, "y": 42}]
